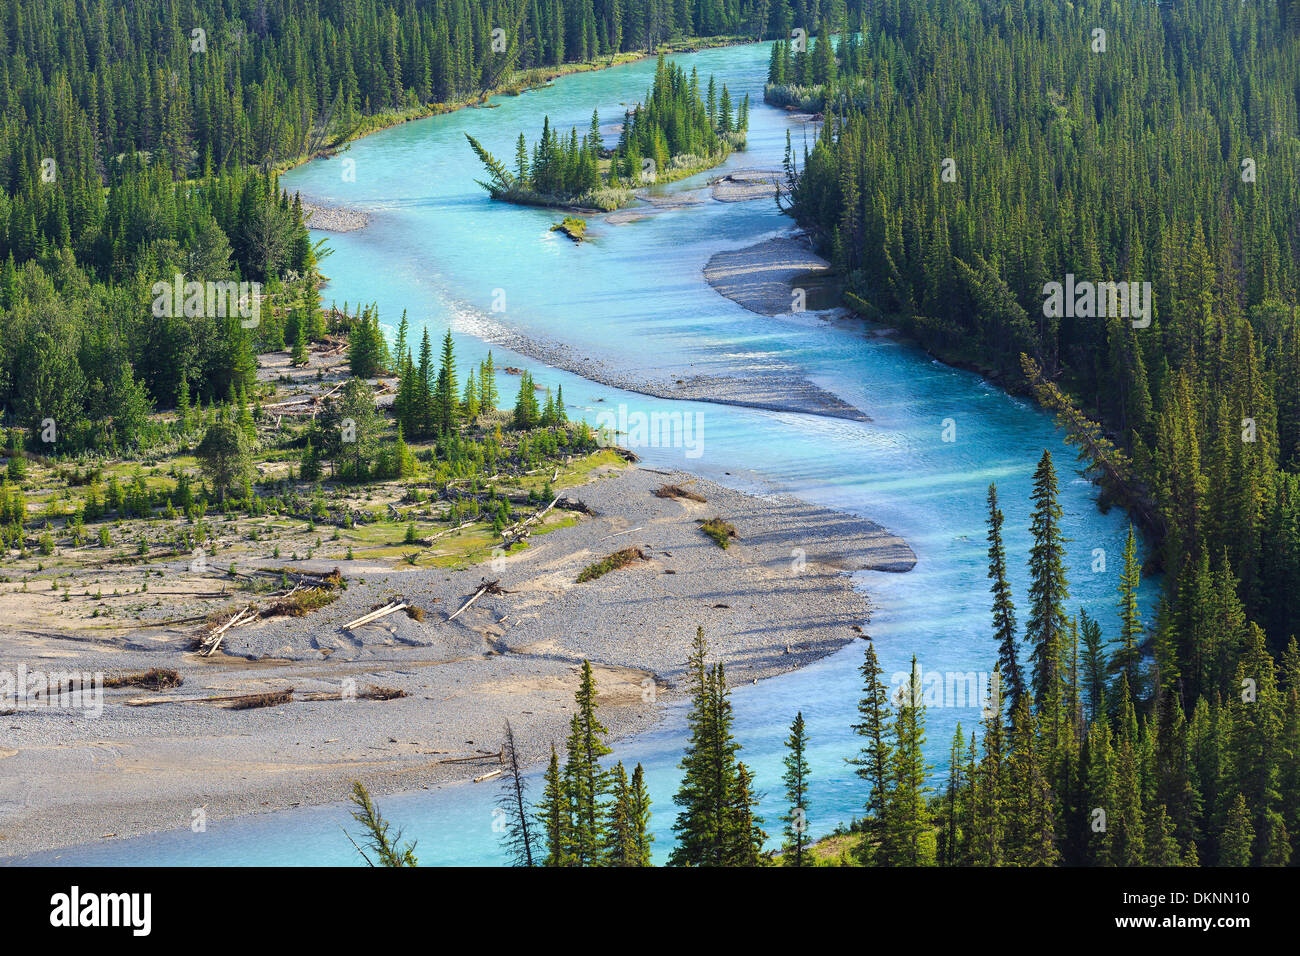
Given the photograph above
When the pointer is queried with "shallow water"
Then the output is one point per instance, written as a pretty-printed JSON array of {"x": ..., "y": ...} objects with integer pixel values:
[{"x": 634, "y": 299}]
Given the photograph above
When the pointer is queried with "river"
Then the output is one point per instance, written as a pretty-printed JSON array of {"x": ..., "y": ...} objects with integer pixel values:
[{"x": 633, "y": 299}]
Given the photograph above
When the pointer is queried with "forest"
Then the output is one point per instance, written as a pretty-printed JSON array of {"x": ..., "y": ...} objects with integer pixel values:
[
  {"x": 142, "y": 141},
  {"x": 974, "y": 158}
]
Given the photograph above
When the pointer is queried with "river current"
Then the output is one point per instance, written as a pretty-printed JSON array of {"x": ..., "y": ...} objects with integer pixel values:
[{"x": 633, "y": 299}]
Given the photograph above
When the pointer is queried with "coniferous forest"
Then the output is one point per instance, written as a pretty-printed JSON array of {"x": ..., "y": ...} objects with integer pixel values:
[
  {"x": 972, "y": 155},
  {"x": 1092, "y": 204},
  {"x": 139, "y": 141}
]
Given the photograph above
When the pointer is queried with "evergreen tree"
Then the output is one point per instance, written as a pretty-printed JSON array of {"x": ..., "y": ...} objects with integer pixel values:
[
  {"x": 1045, "y": 631},
  {"x": 907, "y": 838},
  {"x": 555, "y": 816},
  {"x": 796, "y": 794},
  {"x": 711, "y": 808},
  {"x": 876, "y": 757},
  {"x": 586, "y": 784},
  {"x": 1128, "y": 656},
  {"x": 1004, "y": 609}
]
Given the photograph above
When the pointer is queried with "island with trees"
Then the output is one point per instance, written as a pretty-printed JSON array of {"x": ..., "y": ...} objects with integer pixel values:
[{"x": 678, "y": 131}]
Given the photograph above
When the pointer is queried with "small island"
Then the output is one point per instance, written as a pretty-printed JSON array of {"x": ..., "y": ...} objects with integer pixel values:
[
  {"x": 677, "y": 132},
  {"x": 573, "y": 227}
]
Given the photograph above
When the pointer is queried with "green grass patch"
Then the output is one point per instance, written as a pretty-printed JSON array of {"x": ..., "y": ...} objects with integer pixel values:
[
  {"x": 619, "y": 559},
  {"x": 722, "y": 532},
  {"x": 573, "y": 227}
]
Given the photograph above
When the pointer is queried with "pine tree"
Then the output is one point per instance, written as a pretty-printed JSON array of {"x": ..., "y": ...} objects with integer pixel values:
[
  {"x": 876, "y": 757},
  {"x": 796, "y": 794},
  {"x": 1045, "y": 631},
  {"x": 1004, "y": 609},
  {"x": 555, "y": 816}
]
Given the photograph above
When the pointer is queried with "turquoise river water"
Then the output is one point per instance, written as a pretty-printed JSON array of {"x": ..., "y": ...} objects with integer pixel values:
[{"x": 633, "y": 298}]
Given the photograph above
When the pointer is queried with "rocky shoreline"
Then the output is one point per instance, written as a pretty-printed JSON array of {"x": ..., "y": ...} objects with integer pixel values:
[{"x": 777, "y": 599}]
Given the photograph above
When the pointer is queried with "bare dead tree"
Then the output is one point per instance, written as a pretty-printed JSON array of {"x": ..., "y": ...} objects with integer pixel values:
[{"x": 519, "y": 836}]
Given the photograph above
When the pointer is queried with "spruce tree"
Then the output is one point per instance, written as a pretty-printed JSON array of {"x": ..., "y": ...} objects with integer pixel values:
[
  {"x": 1045, "y": 630},
  {"x": 1004, "y": 608},
  {"x": 743, "y": 835},
  {"x": 706, "y": 824},
  {"x": 907, "y": 838},
  {"x": 876, "y": 756},
  {"x": 445, "y": 403},
  {"x": 586, "y": 783},
  {"x": 796, "y": 795},
  {"x": 1128, "y": 655},
  {"x": 554, "y": 815},
  {"x": 988, "y": 839}
]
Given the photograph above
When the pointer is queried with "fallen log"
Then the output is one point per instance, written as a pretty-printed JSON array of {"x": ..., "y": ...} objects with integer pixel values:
[
  {"x": 376, "y": 615},
  {"x": 492, "y": 587},
  {"x": 481, "y": 755}
]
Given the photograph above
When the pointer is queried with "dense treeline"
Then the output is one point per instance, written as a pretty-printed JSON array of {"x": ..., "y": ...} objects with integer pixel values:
[
  {"x": 1088, "y": 756},
  {"x": 972, "y": 157},
  {"x": 213, "y": 85},
  {"x": 975, "y": 179},
  {"x": 128, "y": 139}
]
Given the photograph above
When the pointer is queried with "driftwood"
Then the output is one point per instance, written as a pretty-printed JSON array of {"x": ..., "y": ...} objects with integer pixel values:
[
  {"x": 384, "y": 611},
  {"x": 237, "y": 701},
  {"x": 488, "y": 776},
  {"x": 488, "y": 587},
  {"x": 512, "y": 536},
  {"x": 215, "y": 638},
  {"x": 443, "y": 534},
  {"x": 481, "y": 755},
  {"x": 620, "y": 534}
]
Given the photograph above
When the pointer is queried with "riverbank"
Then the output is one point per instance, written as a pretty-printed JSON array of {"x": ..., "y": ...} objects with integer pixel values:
[
  {"x": 779, "y": 389},
  {"x": 778, "y": 598},
  {"x": 766, "y": 276},
  {"x": 333, "y": 218},
  {"x": 519, "y": 84}
]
